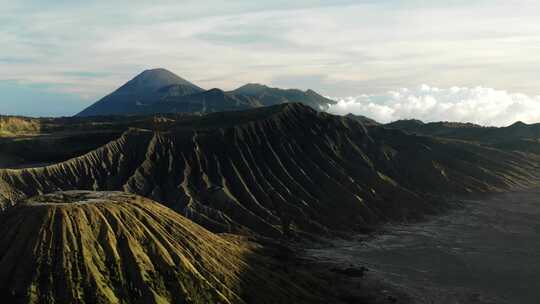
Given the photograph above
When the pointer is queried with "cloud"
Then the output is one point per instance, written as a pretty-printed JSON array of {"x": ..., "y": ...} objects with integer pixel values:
[
  {"x": 480, "y": 105},
  {"x": 358, "y": 45}
]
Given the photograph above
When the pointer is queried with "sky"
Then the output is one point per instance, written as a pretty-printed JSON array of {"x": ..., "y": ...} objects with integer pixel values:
[{"x": 58, "y": 56}]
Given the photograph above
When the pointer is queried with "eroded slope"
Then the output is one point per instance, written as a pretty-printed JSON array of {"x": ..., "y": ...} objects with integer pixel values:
[
  {"x": 260, "y": 170},
  {"x": 112, "y": 247}
]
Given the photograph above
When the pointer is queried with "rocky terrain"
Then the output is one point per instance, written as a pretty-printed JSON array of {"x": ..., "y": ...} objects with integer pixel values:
[
  {"x": 267, "y": 175},
  {"x": 283, "y": 168}
]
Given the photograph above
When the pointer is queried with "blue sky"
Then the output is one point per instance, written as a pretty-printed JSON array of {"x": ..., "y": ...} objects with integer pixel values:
[
  {"x": 36, "y": 100},
  {"x": 59, "y": 56}
]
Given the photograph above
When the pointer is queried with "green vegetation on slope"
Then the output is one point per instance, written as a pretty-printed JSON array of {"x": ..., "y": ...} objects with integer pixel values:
[
  {"x": 111, "y": 247},
  {"x": 14, "y": 126}
]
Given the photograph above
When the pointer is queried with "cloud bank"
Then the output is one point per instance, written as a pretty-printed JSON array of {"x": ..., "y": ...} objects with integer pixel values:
[{"x": 480, "y": 105}]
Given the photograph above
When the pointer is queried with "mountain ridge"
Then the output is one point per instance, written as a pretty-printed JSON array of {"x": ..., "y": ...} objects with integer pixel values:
[
  {"x": 218, "y": 170},
  {"x": 517, "y": 131},
  {"x": 272, "y": 96}
]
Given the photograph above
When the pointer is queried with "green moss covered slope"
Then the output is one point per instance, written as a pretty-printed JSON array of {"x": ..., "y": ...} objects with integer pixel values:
[{"x": 111, "y": 247}]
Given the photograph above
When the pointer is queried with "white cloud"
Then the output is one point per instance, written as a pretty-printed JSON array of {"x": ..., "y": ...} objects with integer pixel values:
[{"x": 480, "y": 105}]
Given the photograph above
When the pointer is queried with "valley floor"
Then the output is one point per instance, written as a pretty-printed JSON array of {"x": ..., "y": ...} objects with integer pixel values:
[{"x": 485, "y": 252}]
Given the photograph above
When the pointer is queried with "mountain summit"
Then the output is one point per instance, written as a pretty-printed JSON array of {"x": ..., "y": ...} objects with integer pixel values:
[
  {"x": 141, "y": 91},
  {"x": 154, "y": 79}
]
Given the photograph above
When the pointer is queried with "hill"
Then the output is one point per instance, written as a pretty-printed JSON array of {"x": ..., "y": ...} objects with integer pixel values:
[
  {"x": 112, "y": 247},
  {"x": 260, "y": 171},
  {"x": 16, "y": 126}
]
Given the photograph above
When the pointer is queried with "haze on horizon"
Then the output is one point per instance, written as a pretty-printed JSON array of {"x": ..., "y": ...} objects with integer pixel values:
[{"x": 478, "y": 59}]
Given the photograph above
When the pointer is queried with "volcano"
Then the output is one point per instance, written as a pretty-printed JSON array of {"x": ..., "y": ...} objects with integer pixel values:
[
  {"x": 113, "y": 247},
  {"x": 140, "y": 92}
]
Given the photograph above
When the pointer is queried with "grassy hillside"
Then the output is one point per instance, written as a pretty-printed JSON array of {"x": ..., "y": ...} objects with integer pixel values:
[{"x": 14, "y": 126}]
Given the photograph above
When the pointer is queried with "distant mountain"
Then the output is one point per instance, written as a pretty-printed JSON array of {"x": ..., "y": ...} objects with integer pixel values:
[
  {"x": 160, "y": 91},
  {"x": 214, "y": 100},
  {"x": 517, "y": 137},
  {"x": 273, "y": 96},
  {"x": 469, "y": 131},
  {"x": 140, "y": 92}
]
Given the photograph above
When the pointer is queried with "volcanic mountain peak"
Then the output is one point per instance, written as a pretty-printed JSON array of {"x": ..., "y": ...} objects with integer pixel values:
[
  {"x": 154, "y": 79},
  {"x": 141, "y": 91},
  {"x": 114, "y": 247}
]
